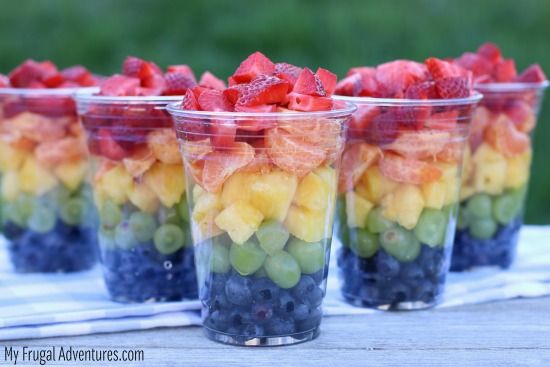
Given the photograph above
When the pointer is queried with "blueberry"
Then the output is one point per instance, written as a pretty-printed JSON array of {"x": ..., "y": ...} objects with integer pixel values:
[
  {"x": 304, "y": 287},
  {"x": 280, "y": 326},
  {"x": 301, "y": 311},
  {"x": 387, "y": 265},
  {"x": 425, "y": 292},
  {"x": 217, "y": 320},
  {"x": 262, "y": 312},
  {"x": 263, "y": 289},
  {"x": 399, "y": 292},
  {"x": 239, "y": 317},
  {"x": 252, "y": 331},
  {"x": 237, "y": 290},
  {"x": 287, "y": 304},
  {"x": 312, "y": 321}
]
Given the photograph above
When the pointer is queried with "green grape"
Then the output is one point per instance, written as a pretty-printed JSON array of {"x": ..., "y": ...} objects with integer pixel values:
[
  {"x": 400, "y": 243},
  {"x": 23, "y": 207},
  {"x": 480, "y": 205},
  {"x": 168, "y": 216},
  {"x": 377, "y": 223},
  {"x": 124, "y": 236},
  {"x": 219, "y": 262},
  {"x": 169, "y": 238},
  {"x": 272, "y": 236},
  {"x": 107, "y": 239},
  {"x": 246, "y": 258},
  {"x": 364, "y": 243},
  {"x": 282, "y": 269},
  {"x": 110, "y": 214},
  {"x": 463, "y": 219},
  {"x": 483, "y": 228},
  {"x": 58, "y": 197},
  {"x": 143, "y": 226},
  {"x": 431, "y": 227},
  {"x": 505, "y": 208},
  {"x": 309, "y": 255},
  {"x": 42, "y": 219},
  {"x": 72, "y": 212},
  {"x": 182, "y": 208}
]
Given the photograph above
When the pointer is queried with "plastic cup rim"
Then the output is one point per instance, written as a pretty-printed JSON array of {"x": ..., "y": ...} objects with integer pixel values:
[
  {"x": 92, "y": 96},
  {"x": 471, "y": 100},
  {"x": 47, "y": 92},
  {"x": 510, "y": 87}
]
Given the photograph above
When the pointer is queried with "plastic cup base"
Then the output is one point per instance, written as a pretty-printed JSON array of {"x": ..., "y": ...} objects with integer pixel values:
[
  {"x": 395, "y": 306},
  {"x": 263, "y": 341}
]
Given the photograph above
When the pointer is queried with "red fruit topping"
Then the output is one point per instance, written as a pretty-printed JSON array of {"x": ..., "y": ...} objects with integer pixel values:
[
  {"x": 423, "y": 90},
  {"x": 262, "y": 90},
  {"x": 255, "y": 65},
  {"x": 395, "y": 77},
  {"x": 505, "y": 71},
  {"x": 78, "y": 74},
  {"x": 478, "y": 64},
  {"x": 29, "y": 71},
  {"x": 183, "y": 69},
  {"x": 309, "y": 83},
  {"x": 361, "y": 119},
  {"x": 209, "y": 80},
  {"x": 287, "y": 72},
  {"x": 189, "y": 101},
  {"x": 328, "y": 80},
  {"x": 349, "y": 86},
  {"x": 490, "y": 51},
  {"x": 383, "y": 129},
  {"x": 148, "y": 70},
  {"x": 258, "y": 124},
  {"x": 302, "y": 102},
  {"x": 119, "y": 85},
  {"x": 408, "y": 170},
  {"x": 143, "y": 91},
  {"x": 453, "y": 87},
  {"x": 363, "y": 70},
  {"x": 442, "y": 69},
  {"x": 223, "y": 133},
  {"x": 154, "y": 81},
  {"x": 4, "y": 81},
  {"x": 132, "y": 66},
  {"x": 214, "y": 100},
  {"x": 53, "y": 80},
  {"x": 533, "y": 74},
  {"x": 177, "y": 83},
  {"x": 109, "y": 147}
]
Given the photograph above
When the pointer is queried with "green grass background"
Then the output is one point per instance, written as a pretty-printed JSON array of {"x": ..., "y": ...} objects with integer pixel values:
[{"x": 217, "y": 34}]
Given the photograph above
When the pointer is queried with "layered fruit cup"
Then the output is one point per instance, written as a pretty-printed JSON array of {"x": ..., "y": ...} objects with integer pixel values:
[
  {"x": 498, "y": 158},
  {"x": 47, "y": 212},
  {"x": 399, "y": 182},
  {"x": 262, "y": 189}
]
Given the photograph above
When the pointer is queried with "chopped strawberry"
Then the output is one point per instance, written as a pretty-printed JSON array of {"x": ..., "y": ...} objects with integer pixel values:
[
  {"x": 263, "y": 90},
  {"x": 177, "y": 83},
  {"x": 209, "y": 80},
  {"x": 53, "y": 80},
  {"x": 154, "y": 81},
  {"x": 490, "y": 51},
  {"x": 442, "y": 69},
  {"x": 78, "y": 74},
  {"x": 119, "y": 85},
  {"x": 24, "y": 74},
  {"x": 349, "y": 86},
  {"x": 362, "y": 70},
  {"x": 144, "y": 91},
  {"x": 383, "y": 129},
  {"x": 287, "y": 72},
  {"x": 198, "y": 90},
  {"x": 132, "y": 66},
  {"x": 149, "y": 70},
  {"x": 302, "y": 102},
  {"x": 223, "y": 133},
  {"x": 255, "y": 65},
  {"x": 183, "y": 69},
  {"x": 109, "y": 147},
  {"x": 452, "y": 87},
  {"x": 189, "y": 101},
  {"x": 361, "y": 119},
  {"x": 214, "y": 100},
  {"x": 478, "y": 64},
  {"x": 35, "y": 84},
  {"x": 505, "y": 71},
  {"x": 328, "y": 80},
  {"x": 4, "y": 81},
  {"x": 395, "y": 77},
  {"x": 422, "y": 90},
  {"x": 255, "y": 124},
  {"x": 533, "y": 74},
  {"x": 69, "y": 84},
  {"x": 309, "y": 83}
]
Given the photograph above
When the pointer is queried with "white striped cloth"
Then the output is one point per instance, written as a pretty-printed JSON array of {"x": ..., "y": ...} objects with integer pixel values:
[{"x": 44, "y": 305}]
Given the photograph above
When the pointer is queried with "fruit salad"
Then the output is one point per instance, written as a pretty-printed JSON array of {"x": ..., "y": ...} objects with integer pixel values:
[
  {"x": 47, "y": 215},
  {"x": 399, "y": 180},
  {"x": 262, "y": 160},
  {"x": 138, "y": 181},
  {"x": 498, "y": 159}
]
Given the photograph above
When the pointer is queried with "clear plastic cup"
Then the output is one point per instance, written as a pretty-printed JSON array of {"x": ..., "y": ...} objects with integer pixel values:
[
  {"x": 47, "y": 215},
  {"x": 398, "y": 196},
  {"x": 139, "y": 191},
  {"x": 496, "y": 175},
  {"x": 261, "y": 212}
]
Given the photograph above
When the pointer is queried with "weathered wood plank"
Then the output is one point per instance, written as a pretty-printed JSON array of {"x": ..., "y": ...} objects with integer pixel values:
[{"x": 514, "y": 333}]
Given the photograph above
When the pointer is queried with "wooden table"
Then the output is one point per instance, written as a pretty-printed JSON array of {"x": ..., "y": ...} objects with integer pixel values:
[{"x": 513, "y": 333}]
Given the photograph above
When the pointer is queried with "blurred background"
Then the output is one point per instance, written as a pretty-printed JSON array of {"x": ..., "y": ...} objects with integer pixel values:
[{"x": 216, "y": 35}]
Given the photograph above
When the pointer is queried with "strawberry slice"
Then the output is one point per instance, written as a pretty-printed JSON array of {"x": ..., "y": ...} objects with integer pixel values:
[
  {"x": 442, "y": 69},
  {"x": 214, "y": 100},
  {"x": 362, "y": 70},
  {"x": 149, "y": 69},
  {"x": 154, "y": 81},
  {"x": 53, "y": 80},
  {"x": 223, "y": 133},
  {"x": 287, "y": 72},
  {"x": 262, "y": 90},
  {"x": 395, "y": 77},
  {"x": 422, "y": 90},
  {"x": 4, "y": 81},
  {"x": 109, "y": 147},
  {"x": 27, "y": 72},
  {"x": 219, "y": 166},
  {"x": 478, "y": 64},
  {"x": 408, "y": 170},
  {"x": 452, "y": 87},
  {"x": 361, "y": 119},
  {"x": 198, "y": 90},
  {"x": 351, "y": 85},
  {"x": 309, "y": 84},
  {"x": 193, "y": 129},
  {"x": 119, "y": 85},
  {"x": 177, "y": 83},
  {"x": 132, "y": 66},
  {"x": 328, "y": 80},
  {"x": 189, "y": 101},
  {"x": 490, "y": 51},
  {"x": 254, "y": 65},
  {"x": 183, "y": 69},
  {"x": 302, "y": 102},
  {"x": 209, "y": 80},
  {"x": 258, "y": 124},
  {"x": 505, "y": 71},
  {"x": 383, "y": 129},
  {"x": 533, "y": 74},
  {"x": 78, "y": 74}
]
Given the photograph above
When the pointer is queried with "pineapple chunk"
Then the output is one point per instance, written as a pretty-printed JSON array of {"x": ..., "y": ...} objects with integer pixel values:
[
  {"x": 115, "y": 184},
  {"x": 272, "y": 193},
  {"x": 376, "y": 184},
  {"x": 143, "y": 197},
  {"x": 11, "y": 158},
  {"x": 489, "y": 170},
  {"x": 466, "y": 191},
  {"x": 517, "y": 173},
  {"x": 450, "y": 181},
  {"x": 167, "y": 182},
  {"x": 10, "y": 186},
  {"x": 330, "y": 177},
  {"x": 308, "y": 225},
  {"x": 240, "y": 220},
  {"x": 357, "y": 210},
  {"x": 205, "y": 228},
  {"x": 237, "y": 187},
  {"x": 434, "y": 194},
  {"x": 71, "y": 173},
  {"x": 313, "y": 193},
  {"x": 35, "y": 178},
  {"x": 197, "y": 191},
  {"x": 467, "y": 164},
  {"x": 404, "y": 205},
  {"x": 206, "y": 203}
]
